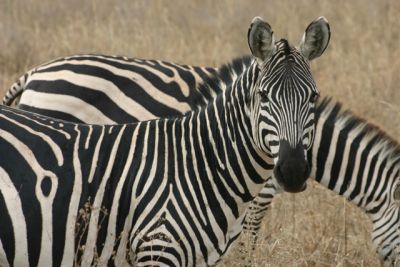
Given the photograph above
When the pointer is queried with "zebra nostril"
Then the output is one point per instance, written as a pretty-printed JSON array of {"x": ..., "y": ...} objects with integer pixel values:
[{"x": 279, "y": 171}]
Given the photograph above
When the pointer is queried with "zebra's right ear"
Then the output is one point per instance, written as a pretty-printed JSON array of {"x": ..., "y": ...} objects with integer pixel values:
[{"x": 261, "y": 40}]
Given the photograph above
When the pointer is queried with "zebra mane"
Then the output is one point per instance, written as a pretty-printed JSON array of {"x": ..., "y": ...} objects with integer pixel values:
[
  {"x": 285, "y": 44},
  {"x": 333, "y": 113},
  {"x": 226, "y": 74}
]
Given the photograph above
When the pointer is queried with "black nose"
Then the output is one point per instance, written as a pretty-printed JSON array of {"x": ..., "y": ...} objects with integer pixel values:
[{"x": 292, "y": 169}]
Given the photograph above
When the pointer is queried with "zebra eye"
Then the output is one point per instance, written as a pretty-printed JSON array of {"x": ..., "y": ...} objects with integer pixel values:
[
  {"x": 314, "y": 97},
  {"x": 263, "y": 95}
]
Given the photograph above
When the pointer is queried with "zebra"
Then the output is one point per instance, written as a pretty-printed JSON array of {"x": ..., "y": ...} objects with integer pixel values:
[
  {"x": 163, "y": 87},
  {"x": 366, "y": 172},
  {"x": 386, "y": 240},
  {"x": 175, "y": 189},
  {"x": 101, "y": 89}
]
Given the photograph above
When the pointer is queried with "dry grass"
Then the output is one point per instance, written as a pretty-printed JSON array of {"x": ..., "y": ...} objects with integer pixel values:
[{"x": 360, "y": 68}]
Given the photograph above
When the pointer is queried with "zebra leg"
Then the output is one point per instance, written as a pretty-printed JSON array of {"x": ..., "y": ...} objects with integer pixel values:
[{"x": 252, "y": 222}]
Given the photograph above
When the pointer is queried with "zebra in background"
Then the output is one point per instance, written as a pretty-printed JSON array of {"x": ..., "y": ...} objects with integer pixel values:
[
  {"x": 357, "y": 161},
  {"x": 115, "y": 84},
  {"x": 101, "y": 89},
  {"x": 366, "y": 171},
  {"x": 176, "y": 189}
]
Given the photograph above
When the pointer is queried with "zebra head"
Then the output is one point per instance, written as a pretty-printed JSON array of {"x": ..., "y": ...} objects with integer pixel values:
[{"x": 282, "y": 100}]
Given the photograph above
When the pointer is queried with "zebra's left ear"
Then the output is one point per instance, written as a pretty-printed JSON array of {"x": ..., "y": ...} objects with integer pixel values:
[
  {"x": 261, "y": 39},
  {"x": 315, "y": 38}
]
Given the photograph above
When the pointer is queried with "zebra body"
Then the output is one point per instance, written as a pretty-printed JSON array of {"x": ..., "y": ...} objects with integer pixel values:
[
  {"x": 114, "y": 86},
  {"x": 175, "y": 190},
  {"x": 365, "y": 169},
  {"x": 80, "y": 88},
  {"x": 124, "y": 184}
]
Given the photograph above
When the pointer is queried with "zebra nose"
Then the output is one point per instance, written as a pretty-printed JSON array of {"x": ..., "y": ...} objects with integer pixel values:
[{"x": 292, "y": 170}]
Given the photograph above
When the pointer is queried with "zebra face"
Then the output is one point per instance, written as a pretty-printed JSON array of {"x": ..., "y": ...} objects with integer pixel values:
[{"x": 283, "y": 99}]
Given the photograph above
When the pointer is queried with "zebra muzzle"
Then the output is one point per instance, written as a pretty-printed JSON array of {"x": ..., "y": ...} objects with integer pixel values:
[{"x": 292, "y": 169}]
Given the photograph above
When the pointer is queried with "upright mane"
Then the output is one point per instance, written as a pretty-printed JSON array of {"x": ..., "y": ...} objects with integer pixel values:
[{"x": 227, "y": 73}]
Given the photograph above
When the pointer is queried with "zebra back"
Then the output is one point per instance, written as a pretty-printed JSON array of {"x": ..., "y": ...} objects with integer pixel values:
[{"x": 110, "y": 89}]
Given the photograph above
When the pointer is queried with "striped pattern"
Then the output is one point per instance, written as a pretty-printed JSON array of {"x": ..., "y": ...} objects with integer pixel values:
[
  {"x": 72, "y": 89},
  {"x": 108, "y": 87},
  {"x": 355, "y": 160},
  {"x": 385, "y": 238},
  {"x": 366, "y": 171},
  {"x": 288, "y": 103},
  {"x": 174, "y": 190},
  {"x": 207, "y": 89}
]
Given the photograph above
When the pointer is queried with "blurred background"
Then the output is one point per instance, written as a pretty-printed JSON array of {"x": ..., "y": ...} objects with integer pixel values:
[{"x": 360, "y": 68}]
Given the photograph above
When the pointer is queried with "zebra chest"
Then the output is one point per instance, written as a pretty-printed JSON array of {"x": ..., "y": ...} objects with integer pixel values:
[{"x": 168, "y": 218}]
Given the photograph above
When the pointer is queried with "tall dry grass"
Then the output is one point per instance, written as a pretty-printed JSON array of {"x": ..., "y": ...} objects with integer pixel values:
[{"x": 360, "y": 68}]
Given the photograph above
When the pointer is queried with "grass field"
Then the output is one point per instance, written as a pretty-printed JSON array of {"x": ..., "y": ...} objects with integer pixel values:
[{"x": 360, "y": 68}]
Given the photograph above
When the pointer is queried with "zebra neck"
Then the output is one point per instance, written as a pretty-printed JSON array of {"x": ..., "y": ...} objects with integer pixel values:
[
  {"x": 353, "y": 159},
  {"x": 222, "y": 139},
  {"x": 223, "y": 77}
]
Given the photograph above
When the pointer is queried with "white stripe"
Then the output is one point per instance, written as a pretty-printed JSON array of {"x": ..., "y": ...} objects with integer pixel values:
[
  {"x": 88, "y": 136},
  {"x": 95, "y": 156},
  {"x": 69, "y": 249},
  {"x": 112, "y": 91},
  {"x": 65, "y": 103},
  {"x": 14, "y": 207}
]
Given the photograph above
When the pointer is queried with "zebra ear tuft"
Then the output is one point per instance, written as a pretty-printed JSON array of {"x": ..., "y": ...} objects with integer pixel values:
[
  {"x": 315, "y": 38},
  {"x": 261, "y": 39}
]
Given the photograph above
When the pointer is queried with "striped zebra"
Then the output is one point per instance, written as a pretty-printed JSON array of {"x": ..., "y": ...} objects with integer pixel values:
[
  {"x": 174, "y": 190},
  {"x": 330, "y": 120},
  {"x": 108, "y": 89},
  {"x": 358, "y": 161},
  {"x": 100, "y": 89}
]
